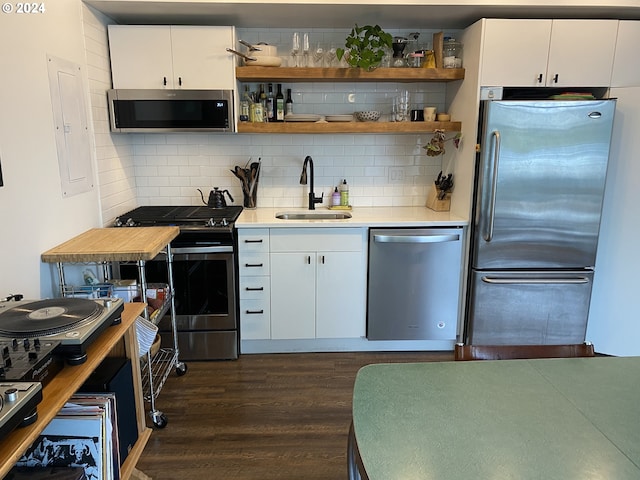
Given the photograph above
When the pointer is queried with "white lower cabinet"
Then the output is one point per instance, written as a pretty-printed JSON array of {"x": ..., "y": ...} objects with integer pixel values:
[
  {"x": 293, "y": 295},
  {"x": 302, "y": 283},
  {"x": 318, "y": 283}
]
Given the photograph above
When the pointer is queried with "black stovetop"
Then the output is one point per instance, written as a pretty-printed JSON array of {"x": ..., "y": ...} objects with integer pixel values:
[{"x": 178, "y": 215}]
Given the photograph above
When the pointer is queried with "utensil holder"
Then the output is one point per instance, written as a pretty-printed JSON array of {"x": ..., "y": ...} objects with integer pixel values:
[
  {"x": 435, "y": 203},
  {"x": 250, "y": 197}
]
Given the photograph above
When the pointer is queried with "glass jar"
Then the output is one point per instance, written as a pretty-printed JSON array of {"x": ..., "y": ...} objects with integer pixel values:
[{"x": 451, "y": 53}]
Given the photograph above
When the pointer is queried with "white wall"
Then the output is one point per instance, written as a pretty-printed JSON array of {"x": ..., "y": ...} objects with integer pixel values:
[
  {"x": 34, "y": 216},
  {"x": 114, "y": 153},
  {"x": 614, "y": 315}
]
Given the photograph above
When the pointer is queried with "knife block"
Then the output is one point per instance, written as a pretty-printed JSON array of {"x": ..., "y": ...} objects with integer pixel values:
[{"x": 434, "y": 203}]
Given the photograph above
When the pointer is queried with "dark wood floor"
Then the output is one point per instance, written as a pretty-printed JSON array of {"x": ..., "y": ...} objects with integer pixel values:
[{"x": 261, "y": 417}]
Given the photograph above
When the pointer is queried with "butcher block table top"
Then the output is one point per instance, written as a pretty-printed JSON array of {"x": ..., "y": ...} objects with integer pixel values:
[{"x": 113, "y": 244}]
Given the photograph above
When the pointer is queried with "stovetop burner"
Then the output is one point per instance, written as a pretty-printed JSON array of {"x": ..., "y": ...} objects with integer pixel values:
[{"x": 185, "y": 216}]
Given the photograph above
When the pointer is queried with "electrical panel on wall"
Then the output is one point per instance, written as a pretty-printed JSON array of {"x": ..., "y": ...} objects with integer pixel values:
[{"x": 73, "y": 141}]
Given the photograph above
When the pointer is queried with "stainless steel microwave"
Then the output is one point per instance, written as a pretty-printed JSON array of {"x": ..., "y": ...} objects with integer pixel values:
[{"x": 148, "y": 111}]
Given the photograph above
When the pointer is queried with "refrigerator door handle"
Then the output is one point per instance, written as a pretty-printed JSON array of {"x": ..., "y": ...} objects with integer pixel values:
[
  {"x": 416, "y": 238},
  {"x": 523, "y": 280},
  {"x": 488, "y": 235}
]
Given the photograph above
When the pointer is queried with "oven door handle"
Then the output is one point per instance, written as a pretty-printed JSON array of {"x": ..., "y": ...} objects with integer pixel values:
[{"x": 208, "y": 249}]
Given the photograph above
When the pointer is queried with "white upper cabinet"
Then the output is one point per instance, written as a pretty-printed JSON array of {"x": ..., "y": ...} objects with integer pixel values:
[
  {"x": 551, "y": 53},
  {"x": 626, "y": 67},
  {"x": 163, "y": 56}
]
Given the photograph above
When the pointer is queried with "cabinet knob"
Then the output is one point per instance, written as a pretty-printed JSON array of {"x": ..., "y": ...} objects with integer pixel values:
[
  {"x": 308, "y": 259},
  {"x": 180, "y": 81},
  {"x": 555, "y": 78},
  {"x": 254, "y": 289},
  {"x": 254, "y": 312},
  {"x": 256, "y": 265},
  {"x": 540, "y": 78},
  {"x": 253, "y": 241},
  {"x": 164, "y": 81}
]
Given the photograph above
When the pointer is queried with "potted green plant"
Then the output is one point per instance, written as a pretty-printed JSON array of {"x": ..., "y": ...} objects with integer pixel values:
[
  {"x": 366, "y": 46},
  {"x": 435, "y": 146}
]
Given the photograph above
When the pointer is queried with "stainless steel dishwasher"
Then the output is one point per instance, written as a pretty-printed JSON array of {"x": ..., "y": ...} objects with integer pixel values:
[{"x": 414, "y": 283}]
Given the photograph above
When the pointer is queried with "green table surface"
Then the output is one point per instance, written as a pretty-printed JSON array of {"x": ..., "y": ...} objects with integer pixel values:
[{"x": 564, "y": 419}]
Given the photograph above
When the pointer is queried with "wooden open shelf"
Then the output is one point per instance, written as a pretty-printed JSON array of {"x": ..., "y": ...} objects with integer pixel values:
[
  {"x": 348, "y": 127},
  {"x": 318, "y": 74}
]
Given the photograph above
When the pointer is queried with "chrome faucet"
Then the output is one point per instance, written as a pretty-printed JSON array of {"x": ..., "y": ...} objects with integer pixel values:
[{"x": 303, "y": 181}]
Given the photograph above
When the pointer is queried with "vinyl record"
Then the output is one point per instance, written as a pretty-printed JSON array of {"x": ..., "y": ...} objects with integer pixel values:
[{"x": 47, "y": 317}]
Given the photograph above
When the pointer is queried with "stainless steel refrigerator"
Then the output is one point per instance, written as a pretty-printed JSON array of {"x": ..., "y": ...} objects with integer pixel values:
[{"x": 538, "y": 200}]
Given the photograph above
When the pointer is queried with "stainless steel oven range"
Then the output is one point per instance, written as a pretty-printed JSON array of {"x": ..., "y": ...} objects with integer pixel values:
[{"x": 204, "y": 278}]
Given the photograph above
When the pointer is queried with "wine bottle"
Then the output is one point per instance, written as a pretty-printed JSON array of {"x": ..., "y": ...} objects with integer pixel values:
[
  {"x": 279, "y": 104},
  {"x": 263, "y": 100},
  {"x": 244, "y": 105},
  {"x": 288, "y": 107},
  {"x": 271, "y": 114}
]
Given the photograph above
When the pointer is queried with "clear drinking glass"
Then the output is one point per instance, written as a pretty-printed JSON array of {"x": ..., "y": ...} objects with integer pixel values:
[
  {"x": 402, "y": 107},
  {"x": 305, "y": 50},
  {"x": 295, "y": 48},
  {"x": 331, "y": 56},
  {"x": 318, "y": 56}
]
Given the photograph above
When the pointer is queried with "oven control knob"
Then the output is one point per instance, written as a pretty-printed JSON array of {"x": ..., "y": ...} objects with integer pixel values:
[
  {"x": 130, "y": 223},
  {"x": 210, "y": 223},
  {"x": 118, "y": 222},
  {"x": 224, "y": 222}
]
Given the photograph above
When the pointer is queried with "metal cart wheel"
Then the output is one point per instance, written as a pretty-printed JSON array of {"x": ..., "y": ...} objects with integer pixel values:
[
  {"x": 159, "y": 419},
  {"x": 181, "y": 368}
]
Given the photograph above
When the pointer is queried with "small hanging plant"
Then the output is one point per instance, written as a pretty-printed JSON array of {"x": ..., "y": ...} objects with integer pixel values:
[
  {"x": 435, "y": 146},
  {"x": 366, "y": 46}
]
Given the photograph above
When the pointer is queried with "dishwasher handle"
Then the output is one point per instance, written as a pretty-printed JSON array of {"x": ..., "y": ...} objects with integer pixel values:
[
  {"x": 575, "y": 280},
  {"x": 439, "y": 238}
]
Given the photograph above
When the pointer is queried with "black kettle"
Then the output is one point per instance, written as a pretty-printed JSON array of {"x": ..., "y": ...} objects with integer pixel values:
[{"x": 216, "y": 198}]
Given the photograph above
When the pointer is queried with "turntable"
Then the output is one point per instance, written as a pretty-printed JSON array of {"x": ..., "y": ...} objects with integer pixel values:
[{"x": 70, "y": 325}]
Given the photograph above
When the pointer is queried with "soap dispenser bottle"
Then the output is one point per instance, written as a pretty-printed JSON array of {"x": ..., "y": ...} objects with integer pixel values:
[
  {"x": 344, "y": 193},
  {"x": 335, "y": 198}
]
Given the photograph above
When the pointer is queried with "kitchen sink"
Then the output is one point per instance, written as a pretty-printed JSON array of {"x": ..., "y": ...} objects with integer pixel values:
[{"x": 313, "y": 215}]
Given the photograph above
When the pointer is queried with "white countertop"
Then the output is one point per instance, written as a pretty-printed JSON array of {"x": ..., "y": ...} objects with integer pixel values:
[{"x": 361, "y": 217}]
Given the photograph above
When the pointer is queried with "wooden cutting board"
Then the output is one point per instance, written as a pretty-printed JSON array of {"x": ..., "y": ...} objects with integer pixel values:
[
  {"x": 113, "y": 244},
  {"x": 438, "y": 43}
]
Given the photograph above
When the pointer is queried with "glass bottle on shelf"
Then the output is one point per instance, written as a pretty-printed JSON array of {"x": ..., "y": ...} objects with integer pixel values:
[
  {"x": 263, "y": 101},
  {"x": 288, "y": 107},
  {"x": 244, "y": 105},
  {"x": 271, "y": 115},
  {"x": 279, "y": 104}
]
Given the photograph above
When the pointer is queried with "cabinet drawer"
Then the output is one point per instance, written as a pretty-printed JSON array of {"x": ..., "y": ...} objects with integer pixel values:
[
  {"x": 314, "y": 239},
  {"x": 253, "y": 264},
  {"x": 255, "y": 319},
  {"x": 254, "y": 240},
  {"x": 255, "y": 287}
]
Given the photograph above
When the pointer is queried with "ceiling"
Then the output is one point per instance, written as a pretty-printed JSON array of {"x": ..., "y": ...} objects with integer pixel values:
[{"x": 446, "y": 14}]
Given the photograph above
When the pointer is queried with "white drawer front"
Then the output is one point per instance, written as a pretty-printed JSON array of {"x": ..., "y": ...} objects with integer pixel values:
[
  {"x": 255, "y": 320},
  {"x": 254, "y": 240},
  {"x": 317, "y": 239},
  {"x": 253, "y": 264},
  {"x": 256, "y": 288}
]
